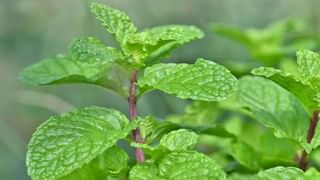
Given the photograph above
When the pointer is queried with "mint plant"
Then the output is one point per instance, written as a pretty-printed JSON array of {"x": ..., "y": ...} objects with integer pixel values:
[
  {"x": 273, "y": 44},
  {"x": 305, "y": 87},
  {"x": 82, "y": 143}
]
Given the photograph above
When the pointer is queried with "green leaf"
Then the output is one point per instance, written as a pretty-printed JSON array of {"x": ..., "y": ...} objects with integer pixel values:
[
  {"x": 275, "y": 108},
  {"x": 115, "y": 21},
  {"x": 62, "y": 69},
  {"x": 238, "y": 176},
  {"x": 147, "y": 125},
  {"x": 305, "y": 93},
  {"x": 204, "y": 80},
  {"x": 159, "y": 41},
  {"x": 67, "y": 142},
  {"x": 90, "y": 49},
  {"x": 144, "y": 171},
  {"x": 233, "y": 33},
  {"x": 189, "y": 165},
  {"x": 308, "y": 63},
  {"x": 108, "y": 164},
  {"x": 115, "y": 160},
  {"x": 283, "y": 173},
  {"x": 246, "y": 155},
  {"x": 155, "y": 152},
  {"x": 215, "y": 130},
  {"x": 312, "y": 174},
  {"x": 181, "y": 139},
  {"x": 200, "y": 113},
  {"x": 265, "y": 45},
  {"x": 179, "y": 166}
]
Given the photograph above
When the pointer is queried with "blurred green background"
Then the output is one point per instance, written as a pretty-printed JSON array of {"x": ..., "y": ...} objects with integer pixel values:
[{"x": 35, "y": 29}]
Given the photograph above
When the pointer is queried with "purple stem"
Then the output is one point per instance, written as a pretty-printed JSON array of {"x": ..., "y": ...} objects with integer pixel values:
[
  {"x": 133, "y": 114},
  {"x": 303, "y": 162}
]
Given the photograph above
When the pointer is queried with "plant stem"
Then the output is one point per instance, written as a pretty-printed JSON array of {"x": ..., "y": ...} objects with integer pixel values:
[
  {"x": 311, "y": 131},
  {"x": 133, "y": 114}
]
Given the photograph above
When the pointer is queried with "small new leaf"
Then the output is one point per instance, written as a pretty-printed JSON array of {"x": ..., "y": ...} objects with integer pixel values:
[
  {"x": 65, "y": 143},
  {"x": 158, "y": 42},
  {"x": 181, "y": 139},
  {"x": 204, "y": 80},
  {"x": 115, "y": 21}
]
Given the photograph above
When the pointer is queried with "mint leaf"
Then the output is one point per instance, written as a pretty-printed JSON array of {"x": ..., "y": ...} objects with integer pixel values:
[
  {"x": 67, "y": 142},
  {"x": 204, "y": 80},
  {"x": 200, "y": 113},
  {"x": 189, "y": 165},
  {"x": 115, "y": 160},
  {"x": 311, "y": 174},
  {"x": 115, "y": 21},
  {"x": 144, "y": 171},
  {"x": 266, "y": 45},
  {"x": 147, "y": 125},
  {"x": 283, "y": 173},
  {"x": 181, "y": 139},
  {"x": 90, "y": 49},
  {"x": 215, "y": 130},
  {"x": 275, "y": 108},
  {"x": 238, "y": 176},
  {"x": 179, "y": 166},
  {"x": 308, "y": 63},
  {"x": 246, "y": 155},
  {"x": 62, "y": 69},
  {"x": 108, "y": 164},
  {"x": 159, "y": 41},
  {"x": 305, "y": 93}
]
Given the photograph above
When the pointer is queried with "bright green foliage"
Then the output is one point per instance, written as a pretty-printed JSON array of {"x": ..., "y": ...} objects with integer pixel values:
[
  {"x": 237, "y": 176},
  {"x": 265, "y": 45},
  {"x": 115, "y": 21},
  {"x": 305, "y": 93},
  {"x": 205, "y": 80},
  {"x": 200, "y": 113},
  {"x": 189, "y": 165},
  {"x": 246, "y": 155},
  {"x": 180, "y": 139},
  {"x": 275, "y": 108},
  {"x": 144, "y": 171},
  {"x": 283, "y": 173},
  {"x": 306, "y": 85},
  {"x": 90, "y": 49},
  {"x": 158, "y": 42},
  {"x": 309, "y": 65},
  {"x": 312, "y": 174},
  {"x": 109, "y": 164},
  {"x": 179, "y": 166},
  {"x": 67, "y": 142},
  {"x": 89, "y": 61},
  {"x": 62, "y": 69}
]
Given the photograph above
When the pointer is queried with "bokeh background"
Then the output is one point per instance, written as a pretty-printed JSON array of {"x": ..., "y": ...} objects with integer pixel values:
[{"x": 35, "y": 29}]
